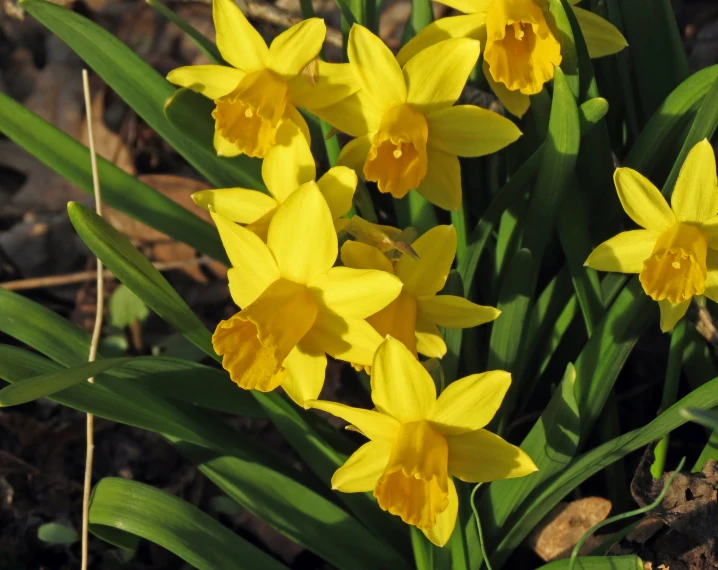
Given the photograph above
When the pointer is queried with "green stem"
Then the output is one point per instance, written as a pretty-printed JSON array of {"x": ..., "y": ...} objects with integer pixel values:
[
  {"x": 670, "y": 391},
  {"x": 478, "y": 527}
]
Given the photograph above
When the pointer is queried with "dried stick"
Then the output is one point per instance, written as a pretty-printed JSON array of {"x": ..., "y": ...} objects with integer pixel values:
[
  {"x": 82, "y": 276},
  {"x": 95, "y": 333}
]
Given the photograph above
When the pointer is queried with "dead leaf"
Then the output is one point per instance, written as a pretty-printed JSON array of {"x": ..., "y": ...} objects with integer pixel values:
[{"x": 562, "y": 528}]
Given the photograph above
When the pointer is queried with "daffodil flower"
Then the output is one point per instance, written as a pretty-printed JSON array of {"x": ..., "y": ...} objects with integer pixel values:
[
  {"x": 288, "y": 165},
  {"x": 409, "y": 136},
  {"x": 418, "y": 442},
  {"x": 265, "y": 85},
  {"x": 522, "y": 50},
  {"x": 413, "y": 317},
  {"x": 676, "y": 252},
  {"x": 296, "y": 307}
]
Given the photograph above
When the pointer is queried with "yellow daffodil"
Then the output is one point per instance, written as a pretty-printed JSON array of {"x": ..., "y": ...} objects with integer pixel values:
[
  {"x": 413, "y": 317},
  {"x": 409, "y": 136},
  {"x": 296, "y": 307},
  {"x": 265, "y": 85},
  {"x": 676, "y": 252},
  {"x": 288, "y": 165},
  {"x": 522, "y": 49},
  {"x": 418, "y": 442}
]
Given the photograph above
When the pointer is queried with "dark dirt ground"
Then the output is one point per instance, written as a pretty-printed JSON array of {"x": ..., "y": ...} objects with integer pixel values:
[{"x": 42, "y": 444}]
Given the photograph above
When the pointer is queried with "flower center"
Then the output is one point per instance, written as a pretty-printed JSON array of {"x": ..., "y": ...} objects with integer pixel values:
[
  {"x": 255, "y": 341},
  {"x": 398, "y": 319},
  {"x": 521, "y": 53},
  {"x": 397, "y": 159},
  {"x": 415, "y": 483},
  {"x": 249, "y": 115},
  {"x": 677, "y": 268}
]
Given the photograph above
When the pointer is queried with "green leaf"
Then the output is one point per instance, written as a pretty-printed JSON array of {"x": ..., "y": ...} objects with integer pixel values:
[
  {"x": 590, "y": 113},
  {"x": 224, "y": 505},
  {"x": 45, "y": 385},
  {"x": 630, "y": 562},
  {"x": 706, "y": 418},
  {"x": 657, "y": 51},
  {"x": 551, "y": 443},
  {"x": 57, "y": 533},
  {"x": 569, "y": 57},
  {"x": 203, "y": 43},
  {"x": 142, "y": 88},
  {"x": 309, "y": 519},
  {"x": 557, "y": 167},
  {"x": 71, "y": 160},
  {"x": 135, "y": 271},
  {"x": 552, "y": 491},
  {"x": 703, "y": 127},
  {"x": 125, "y": 308},
  {"x": 174, "y": 524}
]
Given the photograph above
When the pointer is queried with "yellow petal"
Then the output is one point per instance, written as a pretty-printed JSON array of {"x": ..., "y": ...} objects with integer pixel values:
[
  {"x": 333, "y": 83},
  {"x": 344, "y": 338},
  {"x": 642, "y": 201},
  {"x": 253, "y": 263},
  {"x": 363, "y": 256},
  {"x": 225, "y": 147},
  {"x": 624, "y": 253},
  {"x": 238, "y": 42},
  {"x": 289, "y": 163},
  {"x": 354, "y": 153},
  {"x": 712, "y": 275},
  {"x": 429, "y": 341},
  {"x": 602, "y": 37},
  {"x": 481, "y": 456},
  {"x": 398, "y": 320},
  {"x": 355, "y": 293},
  {"x": 427, "y": 275},
  {"x": 441, "y": 532},
  {"x": 355, "y": 115},
  {"x": 305, "y": 374},
  {"x": 436, "y": 75},
  {"x": 671, "y": 314},
  {"x": 213, "y": 81},
  {"x": 374, "y": 425},
  {"x": 515, "y": 102},
  {"x": 695, "y": 198},
  {"x": 455, "y": 312},
  {"x": 400, "y": 385},
  {"x": 292, "y": 114},
  {"x": 301, "y": 235},
  {"x": 442, "y": 183},
  {"x": 294, "y": 48},
  {"x": 709, "y": 229},
  {"x": 470, "y": 26},
  {"x": 337, "y": 186},
  {"x": 255, "y": 342},
  {"x": 376, "y": 68},
  {"x": 363, "y": 468},
  {"x": 470, "y": 403},
  {"x": 467, "y": 130},
  {"x": 237, "y": 204}
]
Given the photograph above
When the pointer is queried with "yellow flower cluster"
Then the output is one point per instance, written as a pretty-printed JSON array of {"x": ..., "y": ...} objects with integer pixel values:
[{"x": 380, "y": 309}]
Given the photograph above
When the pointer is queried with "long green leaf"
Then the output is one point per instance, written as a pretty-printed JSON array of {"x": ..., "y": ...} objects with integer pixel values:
[
  {"x": 142, "y": 88},
  {"x": 325, "y": 528},
  {"x": 557, "y": 166},
  {"x": 71, "y": 160},
  {"x": 551, "y": 443},
  {"x": 36, "y": 387},
  {"x": 551, "y": 492},
  {"x": 176, "y": 525}
]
